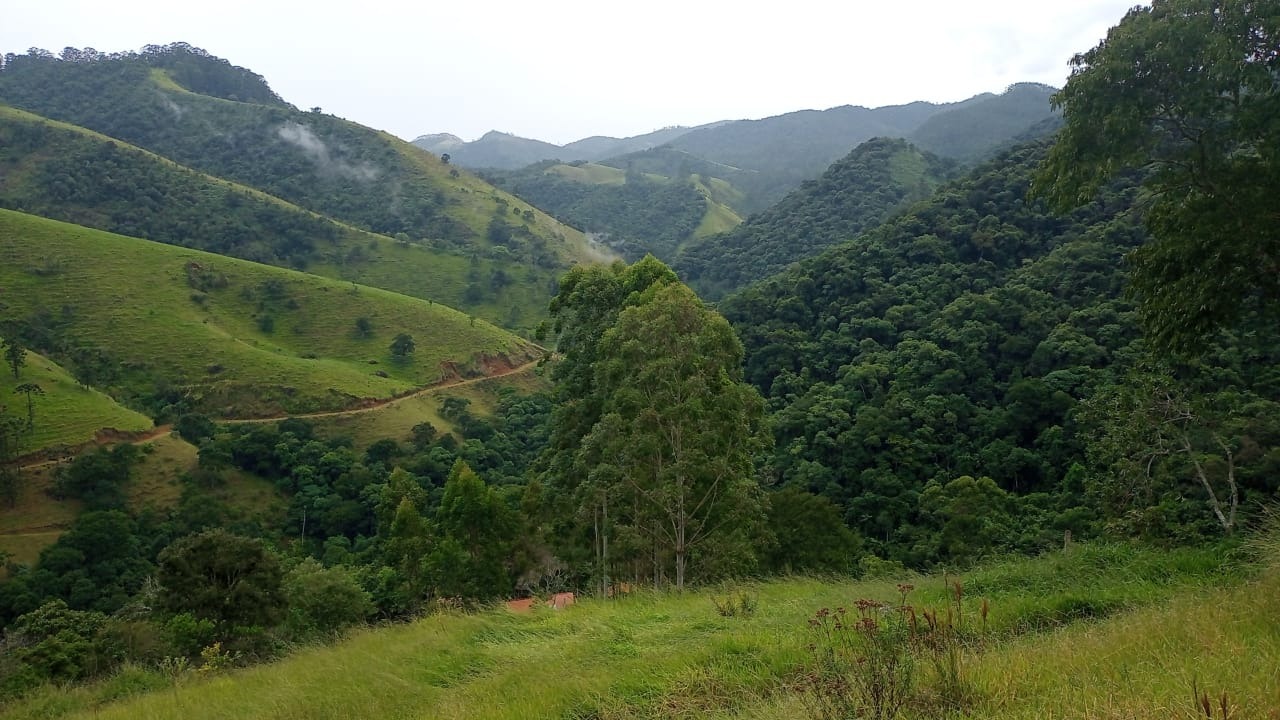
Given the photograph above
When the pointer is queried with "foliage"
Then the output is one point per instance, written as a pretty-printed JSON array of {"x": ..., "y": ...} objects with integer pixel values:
[
  {"x": 855, "y": 193},
  {"x": 218, "y": 576},
  {"x": 958, "y": 339},
  {"x": 324, "y": 600},
  {"x": 1209, "y": 141},
  {"x": 54, "y": 644},
  {"x": 640, "y": 216},
  {"x": 98, "y": 477}
]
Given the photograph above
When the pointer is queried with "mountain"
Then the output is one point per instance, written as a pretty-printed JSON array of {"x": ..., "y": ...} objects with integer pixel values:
[
  {"x": 976, "y": 128},
  {"x": 324, "y": 165},
  {"x": 632, "y": 212},
  {"x": 493, "y": 150},
  {"x": 963, "y": 339},
  {"x": 501, "y": 151},
  {"x": 855, "y": 193},
  {"x": 173, "y": 330}
]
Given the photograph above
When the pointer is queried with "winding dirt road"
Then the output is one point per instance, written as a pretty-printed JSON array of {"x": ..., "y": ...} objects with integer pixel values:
[{"x": 162, "y": 430}]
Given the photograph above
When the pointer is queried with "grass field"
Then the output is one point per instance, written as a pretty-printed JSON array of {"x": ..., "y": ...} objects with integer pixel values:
[
  {"x": 67, "y": 413},
  {"x": 244, "y": 338},
  {"x": 1169, "y": 616}
]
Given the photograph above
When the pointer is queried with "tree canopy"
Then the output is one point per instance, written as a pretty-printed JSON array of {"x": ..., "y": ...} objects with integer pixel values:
[{"x": 1186, "y": 91}]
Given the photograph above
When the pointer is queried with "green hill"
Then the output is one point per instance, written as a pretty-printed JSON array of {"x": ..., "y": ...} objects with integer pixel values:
[
  {"x": 358, "y": 176},
  {"x": 172, "y": 329},
  {"x": 633, "y": 212},
  {"x": 64, "y": 413},
  {"x": 979, "y": 334},
  {"x": 855, "y": 193},
  {"x": 974, "y": 129}
]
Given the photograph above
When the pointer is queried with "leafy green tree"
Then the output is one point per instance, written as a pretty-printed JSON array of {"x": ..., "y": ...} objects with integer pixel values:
[
  {"x": 476, "y": 533},
  {"x": 14, "y": 356},
  {"x": 324, "y": 600},
  {"x": 1186, "y": 91},
  {"x": 402, "y": 346},
  {"x": 215, "y": 575},
  {"x": 98, "y": 478},
  {"x": 10, "y": 475},
  {"x": 55, "y": 644},
  {"x": 680, "y": 428},
  {"x": 809, "y": 535}
]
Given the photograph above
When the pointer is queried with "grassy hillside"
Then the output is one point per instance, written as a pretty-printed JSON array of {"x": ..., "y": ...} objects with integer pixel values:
[
  {"x": 169, "y": 326},
  {"x": 360, "y": 177},
  {"x": 635, "y": 212},
  {"x": 1129, "y": 630},
  {"x": 66, "y": 413}
]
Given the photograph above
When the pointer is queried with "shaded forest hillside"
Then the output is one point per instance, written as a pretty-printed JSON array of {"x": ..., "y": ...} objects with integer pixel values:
[
  {"x": 980, "y": 336},
  {"x": 855, "y": 193}
]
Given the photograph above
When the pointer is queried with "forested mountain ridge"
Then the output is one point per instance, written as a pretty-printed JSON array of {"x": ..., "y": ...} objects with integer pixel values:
[
  {"x": 967, "y": 338},
  {"x": 503, "y": 151},
  {"x": 322, "y": 163},
  {"x": 855, "y": 193}
]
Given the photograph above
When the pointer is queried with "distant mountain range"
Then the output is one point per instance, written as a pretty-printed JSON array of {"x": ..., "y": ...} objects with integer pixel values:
[{"x": 772, "y": 156}]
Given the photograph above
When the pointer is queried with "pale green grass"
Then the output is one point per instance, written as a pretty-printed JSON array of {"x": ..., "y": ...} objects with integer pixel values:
[
  {"x": 589, "y": 174},
  {"x": 657, "y": 656},
  {"x": 67, "y": 413},
  {"x": 132, "y": 298}
]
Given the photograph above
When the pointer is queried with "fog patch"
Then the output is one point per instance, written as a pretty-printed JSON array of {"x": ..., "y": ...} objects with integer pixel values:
[
  {"x": 301, "y": 137},
  {"x": 173, "y": 107}
]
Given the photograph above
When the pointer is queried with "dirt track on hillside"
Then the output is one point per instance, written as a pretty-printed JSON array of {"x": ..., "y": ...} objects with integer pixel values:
[{"x": 113, "y": 437}]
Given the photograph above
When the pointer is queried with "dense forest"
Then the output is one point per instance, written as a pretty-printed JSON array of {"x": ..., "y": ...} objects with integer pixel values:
[{"x": 856, "y": 192}]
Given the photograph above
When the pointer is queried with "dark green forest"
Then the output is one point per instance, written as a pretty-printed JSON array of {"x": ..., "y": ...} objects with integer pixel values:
[{"x": 856, "y": 192}]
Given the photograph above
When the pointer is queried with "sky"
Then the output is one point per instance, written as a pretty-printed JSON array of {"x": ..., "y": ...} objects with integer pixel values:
[{"x": 561, "y": 70}]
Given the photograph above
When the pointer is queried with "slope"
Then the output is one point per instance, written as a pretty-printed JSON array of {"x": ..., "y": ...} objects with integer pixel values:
[
  {"x": 319, "y": 162},
  {"x": 64, "y": 412},
  {"x": 633, "y": 213},
  {"x": 958, "y": 340},
  {"x": 172, "y": 329},
  {"x": 674, "y": 656},
  {"x": 855, "y": 193},
  {"x": 974, "y": 130},
  {"x": 68, "y": 173}
]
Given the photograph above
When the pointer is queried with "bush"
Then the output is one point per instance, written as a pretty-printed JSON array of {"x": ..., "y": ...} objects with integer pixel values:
[{"x": 324, "y": 600}]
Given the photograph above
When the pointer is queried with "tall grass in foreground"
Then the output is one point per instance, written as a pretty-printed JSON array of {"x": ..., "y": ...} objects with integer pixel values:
[{"x": 662, "y": 656}]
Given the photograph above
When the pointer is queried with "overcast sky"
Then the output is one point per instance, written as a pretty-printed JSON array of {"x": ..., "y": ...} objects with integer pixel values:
[{"x": 560, "y": 70}]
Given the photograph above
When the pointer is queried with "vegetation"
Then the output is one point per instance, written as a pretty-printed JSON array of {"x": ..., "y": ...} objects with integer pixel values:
[
  {"x": 979, "y": 336},
  {"x": 1211, "y": 151},
  {"x": 640, "y": 214},
  {"x": 373, "y": 185},
  {"x": 170, "y": 330},
  {"x": 855, "y": 193},
  {"x": 950, "y": 391},
  {"x": 652, "y": 655}
]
